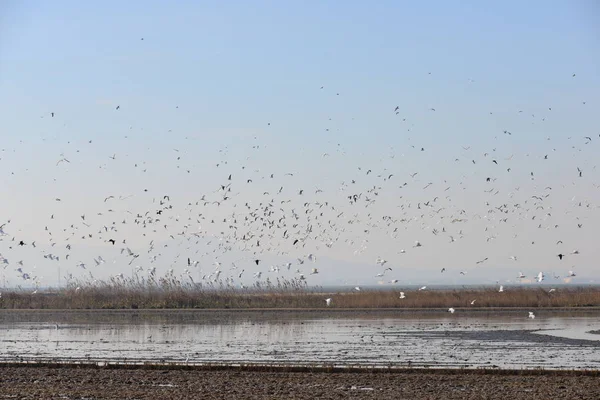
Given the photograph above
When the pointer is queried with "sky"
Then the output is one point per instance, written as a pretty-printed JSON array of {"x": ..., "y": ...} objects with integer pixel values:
[{"x": 326, "y": 91}]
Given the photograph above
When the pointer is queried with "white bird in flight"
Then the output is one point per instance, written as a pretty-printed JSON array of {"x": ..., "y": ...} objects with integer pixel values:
[
  {"x": 402, "y": 296},
  {"x": 531, "y": 315},
  {"x": 451, "y": 310},
  {"x": 540, "y": 277},
  {"x": 328, "y": 302}
]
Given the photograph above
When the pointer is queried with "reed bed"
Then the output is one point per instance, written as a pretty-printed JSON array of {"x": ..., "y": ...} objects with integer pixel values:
[{"x": 170, "y": 292}]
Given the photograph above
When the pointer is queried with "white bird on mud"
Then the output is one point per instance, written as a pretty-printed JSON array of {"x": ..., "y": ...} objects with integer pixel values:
[
  {"x": 531, "y": 315},
  {"x": 473, "y": 302},
  {"x": 328, "y": 302},
  {"x": 451, "y": 310}
]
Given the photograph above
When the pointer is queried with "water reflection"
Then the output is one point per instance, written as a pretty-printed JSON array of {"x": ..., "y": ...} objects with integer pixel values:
[{"x": 509, "y": 339}]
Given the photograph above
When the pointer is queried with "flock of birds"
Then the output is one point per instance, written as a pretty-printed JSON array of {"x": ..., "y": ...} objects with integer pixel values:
[{"x": 255, "y": 224}]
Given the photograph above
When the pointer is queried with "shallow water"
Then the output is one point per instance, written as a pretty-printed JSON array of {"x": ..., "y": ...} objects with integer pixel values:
[{"x": 436, "y": 339}]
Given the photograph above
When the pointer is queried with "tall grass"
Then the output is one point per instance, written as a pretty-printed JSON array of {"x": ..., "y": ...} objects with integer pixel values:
[{"x": 171, "y": 292}]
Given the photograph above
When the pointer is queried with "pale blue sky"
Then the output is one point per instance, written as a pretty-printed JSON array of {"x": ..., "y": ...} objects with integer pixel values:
[{"x": 211, "y": 76}]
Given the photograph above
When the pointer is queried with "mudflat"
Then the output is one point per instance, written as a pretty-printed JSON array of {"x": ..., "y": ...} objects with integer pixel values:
[{"x": 73, "y": 382}]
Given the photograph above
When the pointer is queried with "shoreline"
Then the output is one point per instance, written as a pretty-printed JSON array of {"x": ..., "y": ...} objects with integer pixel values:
[
  {"x": 297, "y": 368},
  {"x": 401, "y": 310}
]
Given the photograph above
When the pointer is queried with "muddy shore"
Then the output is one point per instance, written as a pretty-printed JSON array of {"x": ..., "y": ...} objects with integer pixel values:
[{"x": 44, "y": 382}]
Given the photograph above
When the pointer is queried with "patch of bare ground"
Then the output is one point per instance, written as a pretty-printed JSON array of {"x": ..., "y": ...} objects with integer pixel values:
[{"x": 43, "y": 382}]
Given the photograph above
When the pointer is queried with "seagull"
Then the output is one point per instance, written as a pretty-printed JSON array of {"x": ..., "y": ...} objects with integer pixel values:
[
  {"x": 501, "y": 289},
  {"x": 521, "y": 275},
  {"x": 531, "y": 315},
  {"x": 571, "y": 273},
  {"x": 63, "y": 160},
  {"x": 540, "y": 277},
  {"x": 451, "y": 310},
  {"x": 314, "y": 271},
  {"x": 402, "y": 296},
  {"x": 380, "y": 261},
  {"x": 328, "y": 302},
  {"x": 357, "y": 288},
  {"x": 417, "y": 244},
  {"x": 422, "y": 288},
  {"x": 473, "y": 302}
]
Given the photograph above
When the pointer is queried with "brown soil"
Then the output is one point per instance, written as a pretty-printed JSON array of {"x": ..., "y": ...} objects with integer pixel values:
[{"x": 103, "y": 383}]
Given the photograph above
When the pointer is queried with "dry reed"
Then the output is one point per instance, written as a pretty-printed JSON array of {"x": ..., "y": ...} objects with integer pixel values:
[{"x": 170, "y": 292}]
